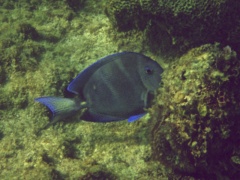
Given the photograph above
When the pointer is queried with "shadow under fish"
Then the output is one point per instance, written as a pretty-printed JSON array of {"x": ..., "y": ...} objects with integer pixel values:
[{"x": 117, "y": 87}]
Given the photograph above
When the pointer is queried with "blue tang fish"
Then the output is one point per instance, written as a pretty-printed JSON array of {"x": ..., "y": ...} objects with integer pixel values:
[{"x": 114, "y": 88}]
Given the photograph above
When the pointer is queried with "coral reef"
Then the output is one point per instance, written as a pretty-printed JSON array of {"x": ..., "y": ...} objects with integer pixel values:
[
  {"x": 196, "y": 127},
  {"x": 45, "y": 44},
  {"x": 173, "y": 26}
]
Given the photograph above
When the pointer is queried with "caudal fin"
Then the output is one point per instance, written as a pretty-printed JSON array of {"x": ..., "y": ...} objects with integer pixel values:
[{"x": 60, "y": 107}]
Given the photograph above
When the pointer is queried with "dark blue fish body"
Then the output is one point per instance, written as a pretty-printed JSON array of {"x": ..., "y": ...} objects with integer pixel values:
[{"x": 116, "y": 87}]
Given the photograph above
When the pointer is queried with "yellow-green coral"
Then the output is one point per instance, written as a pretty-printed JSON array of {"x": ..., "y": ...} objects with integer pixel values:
[{"x": 196, "y": 116}]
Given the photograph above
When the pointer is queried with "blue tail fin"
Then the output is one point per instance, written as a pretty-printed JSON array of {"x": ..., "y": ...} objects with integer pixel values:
[{"x": 60, "y": 107}]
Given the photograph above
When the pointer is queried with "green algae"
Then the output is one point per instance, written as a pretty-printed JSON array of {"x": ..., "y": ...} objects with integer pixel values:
[{"x": 43, "y": 46}]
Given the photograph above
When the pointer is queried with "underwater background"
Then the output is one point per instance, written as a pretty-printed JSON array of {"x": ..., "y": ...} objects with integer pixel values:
[{"x": 192, "y": 130}]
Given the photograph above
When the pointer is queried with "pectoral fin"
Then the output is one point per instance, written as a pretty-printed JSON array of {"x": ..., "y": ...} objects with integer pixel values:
[{"x": 135, "y": 117}]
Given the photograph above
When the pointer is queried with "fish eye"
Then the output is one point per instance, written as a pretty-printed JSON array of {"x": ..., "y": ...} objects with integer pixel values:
[{"x": 148, "y": 70}]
